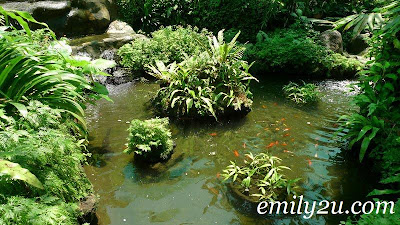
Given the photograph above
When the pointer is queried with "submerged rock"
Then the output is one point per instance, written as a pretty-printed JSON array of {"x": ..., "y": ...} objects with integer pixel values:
[{"x": 332, "y": 39}]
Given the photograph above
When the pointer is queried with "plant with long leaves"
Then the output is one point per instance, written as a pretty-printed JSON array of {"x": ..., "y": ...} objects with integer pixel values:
[
  {"x": 260, "y": 177},
  {"x": 209, "y": 84}
]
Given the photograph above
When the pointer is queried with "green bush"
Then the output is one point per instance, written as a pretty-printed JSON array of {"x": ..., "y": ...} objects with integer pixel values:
[
  {"x": 298, "y": 50},
  {"x": 150, "y": 140},
  {"x": 301, "y": 93},
  {"x": 212, "y": 83},
  {"x": 38, "y": 211},
  {"x": 49, "y": 152},
  {"x": 170, "y": 44}
]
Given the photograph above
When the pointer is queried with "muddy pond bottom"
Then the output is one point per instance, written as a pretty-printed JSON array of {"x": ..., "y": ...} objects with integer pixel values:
[{"x": 188, "y": 189}]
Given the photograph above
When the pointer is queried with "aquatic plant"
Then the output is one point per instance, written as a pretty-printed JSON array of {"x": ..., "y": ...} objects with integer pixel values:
[
  {"x": 169, "y": 44},
  {"x": 150, "y": 140},
  {"x": 260, "y": 177},
  {"x": 212, "y": 83},
  {"x": 301, "y": 93}
]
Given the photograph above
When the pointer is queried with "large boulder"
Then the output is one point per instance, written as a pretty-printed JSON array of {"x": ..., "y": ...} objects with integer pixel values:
[
  {"x": 332, "y": 39},
  {"x": 69, "y": 17}
]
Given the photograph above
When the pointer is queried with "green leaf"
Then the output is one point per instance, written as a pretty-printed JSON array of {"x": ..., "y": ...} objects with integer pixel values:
[
  {"x": 364, "y": 147},
  {"x": 21, "y": 108},
  {"x": 16, "y": 172}
]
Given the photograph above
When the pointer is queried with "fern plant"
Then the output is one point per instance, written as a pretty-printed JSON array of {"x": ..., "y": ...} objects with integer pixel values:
[{"x": 150, "y": 140}]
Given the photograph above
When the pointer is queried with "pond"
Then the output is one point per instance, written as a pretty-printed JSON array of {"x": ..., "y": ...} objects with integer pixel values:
[{"x": 188, "y": 188}]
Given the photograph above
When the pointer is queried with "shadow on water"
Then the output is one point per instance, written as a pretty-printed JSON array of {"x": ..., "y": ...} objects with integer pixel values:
[{"x": 188, "y": 189}]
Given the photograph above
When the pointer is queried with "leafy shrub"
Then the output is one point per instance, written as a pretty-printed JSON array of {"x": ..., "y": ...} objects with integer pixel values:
[
  {"x": 260, "y": 177},
  {"x": 49, "y": 152},
  {"x": 168, "y": 45},
  {"x": 301, "y": 93},
  {"x": 38, "y": 211},
  {"x": 150, "y": 139},
  {"x": 208, "y": 84},
  {"x": 298, "y": 50}
]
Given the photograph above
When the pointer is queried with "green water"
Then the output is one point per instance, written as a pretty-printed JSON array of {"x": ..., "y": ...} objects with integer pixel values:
[{"x": 186, "y": 190}]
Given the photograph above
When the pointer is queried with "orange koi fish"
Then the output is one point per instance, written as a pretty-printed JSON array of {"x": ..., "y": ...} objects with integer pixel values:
[
  {"x": 236, "y": 153},
  {"x": 218, "y": 175},
  {"x": 316, "y": 145},
  {"x": 292, "y": 139},
  {"x": 284, "y": 144},
  {"x": 283, "y": 119},
  {"x": 275, "y": 104},
  {"x": 213, "y": 134},
  {"x": 286, "y": 135},
  {"x": 264, "y": 107},
  {"x": 286, "y": 129},
  {"x": 244, "y": 145},
  {"x": 271, "y": 145},
  {"x": 309, "y": 162},
  {"x": 286, "y": 151}
]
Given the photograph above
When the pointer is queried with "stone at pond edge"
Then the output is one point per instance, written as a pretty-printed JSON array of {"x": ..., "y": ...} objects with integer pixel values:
[
  {"x": 88, "y": 208},
  {"x": 119, "y": 27},
  {"x": 332, "y": 39}
]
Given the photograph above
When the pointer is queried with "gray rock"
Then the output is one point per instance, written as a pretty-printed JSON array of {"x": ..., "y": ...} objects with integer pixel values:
[
  {"x": 332, "y": 39},
  {"x": 69, "y": 17},
  {"x": 119, "y": 27}
]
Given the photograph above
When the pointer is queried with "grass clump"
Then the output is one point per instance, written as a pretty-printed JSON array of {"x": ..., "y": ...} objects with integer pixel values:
[
  {"x": 169, "y": 44},
  {"x": 301, "y": 93},
  {"x": 150, "y": 140},
  {"x": 260, "y": 178},
  {"x": 209, "y": 84}
]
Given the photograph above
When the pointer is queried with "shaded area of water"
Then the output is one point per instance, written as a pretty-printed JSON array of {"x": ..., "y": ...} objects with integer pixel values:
[{"x": 186, "y": 190}]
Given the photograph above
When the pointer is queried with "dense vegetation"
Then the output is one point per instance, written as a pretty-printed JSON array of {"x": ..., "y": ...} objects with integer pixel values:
[
  {"x": 150, "y": 140},
  {"x": 42, "y": 129},
  {"x": 212, "y": 83},
  {"x": 43, "y": 92}
]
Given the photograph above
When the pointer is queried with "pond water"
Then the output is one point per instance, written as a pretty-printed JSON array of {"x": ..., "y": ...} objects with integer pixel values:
[{"x": 187, "y": 190}]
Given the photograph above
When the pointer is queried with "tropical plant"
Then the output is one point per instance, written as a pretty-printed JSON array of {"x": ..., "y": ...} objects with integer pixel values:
[
  {"x": 386, "y": 18},
  {"x": 212, "y": 83},
  {"x": 51, "y": 75},
  {"x": 260, "y": 177},
  {"x": 150, "y": 140},
  {"x": 169, "y": 44},
  {"x": 301, "y": 93},
  {"x": 14, "y": 171}
]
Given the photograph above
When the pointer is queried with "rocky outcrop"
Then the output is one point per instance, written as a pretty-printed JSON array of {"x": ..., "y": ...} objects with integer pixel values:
[
  {"x": 69, "y": 17},
  {"x": 105, "y": 46},
  {"x": 332, "y": 39}
]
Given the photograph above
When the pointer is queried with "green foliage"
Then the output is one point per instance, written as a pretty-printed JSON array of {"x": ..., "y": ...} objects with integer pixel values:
[
  {"x": 260, "y": 177},
  {"x": 49, "y": 74},
  {"x": 298, "y": 50},
  {"x": 38, "y": 211},
  {"x": 150, "y": 139},
  {"x": 208, "y": 84},
  {"x": 386, "y": 18},
  {"x": 301, "y": 93},
  {"x": 377, "y": 219},
  {"x": 49, "y": 152},
  {"x": 168, "y": 45},
  {"x": 15, "y": 172}
]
